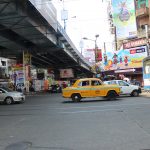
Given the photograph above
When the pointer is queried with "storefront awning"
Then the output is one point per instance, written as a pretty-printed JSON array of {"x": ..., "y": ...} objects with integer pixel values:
[{"x": 125, "y": 70}]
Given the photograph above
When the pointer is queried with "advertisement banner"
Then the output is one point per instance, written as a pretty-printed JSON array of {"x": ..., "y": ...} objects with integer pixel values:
[
  {"x": 26, "y": 59},
  {"x": 134, "y": 43},
  {"x": 66, "y": 73},
  {"x": 89, "y": 55},
  {"x": 38, "y": 85},
  {"x": 124, "y": 18},
  {"x": 18, "y": 76},
  {"x": 124, "y": 59},
  {"x": 98, "y": 55}
]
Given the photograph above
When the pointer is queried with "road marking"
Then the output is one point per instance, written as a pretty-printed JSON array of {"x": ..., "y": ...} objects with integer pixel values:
[
  {"x": 101, "y": 110},
  {"x": 91, "y": 111},
  {"x": 104, "y": 106}
]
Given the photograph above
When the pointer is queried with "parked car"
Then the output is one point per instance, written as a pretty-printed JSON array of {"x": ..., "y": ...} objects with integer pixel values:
[
  {"x": 90, "y": 87},
  {"x": 8, "y": 96},
  {"x": 126, "y": 88}
]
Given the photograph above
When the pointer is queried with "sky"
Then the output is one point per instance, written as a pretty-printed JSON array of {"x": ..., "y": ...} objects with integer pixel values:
[{"x": 86, "y": 18}]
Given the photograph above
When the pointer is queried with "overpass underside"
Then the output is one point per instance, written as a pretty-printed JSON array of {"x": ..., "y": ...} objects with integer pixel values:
[{"x": 23, "y": 28}]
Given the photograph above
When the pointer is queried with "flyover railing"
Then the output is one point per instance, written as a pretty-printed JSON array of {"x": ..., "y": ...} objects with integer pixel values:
[{"x": 61, "y": 30}]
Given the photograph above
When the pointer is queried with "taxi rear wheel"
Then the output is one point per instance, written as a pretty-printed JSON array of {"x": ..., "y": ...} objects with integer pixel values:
[
  {"x": 111, "y": 95},
  {"x": 76, "y": 97}
]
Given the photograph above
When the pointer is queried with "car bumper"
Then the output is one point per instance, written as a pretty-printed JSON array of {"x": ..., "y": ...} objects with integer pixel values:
[
  {"x": 139, "y": 90},
  {"x": 19, "y": 98}
]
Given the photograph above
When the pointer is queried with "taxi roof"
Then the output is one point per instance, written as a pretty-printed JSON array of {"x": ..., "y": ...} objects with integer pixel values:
[{"x": 89, "y": 79}]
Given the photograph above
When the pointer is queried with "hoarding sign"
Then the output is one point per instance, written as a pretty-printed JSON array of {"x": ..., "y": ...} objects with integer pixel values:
[
  {"x": 98, "y": 55},
  {"x": 89, "y": 55},
  {"x": 124, "y": 59},
  {"x": 66, "y": 73},
  {"x": 18, "y": 75},
  {"x": 26, "y": 58},
  {"x": 124, "y": 18},
  {"x": 38, "y": 85},
  {"x": 134, "y": 43}
]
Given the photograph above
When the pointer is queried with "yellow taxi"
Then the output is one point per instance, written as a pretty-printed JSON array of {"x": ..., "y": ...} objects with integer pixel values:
[{"x": 90, "y": 87}]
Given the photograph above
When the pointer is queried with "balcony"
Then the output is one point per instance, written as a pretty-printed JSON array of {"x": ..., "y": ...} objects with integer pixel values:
[
  {"x": 142, "y": 12},
  {"x": 141, "y": 33}
]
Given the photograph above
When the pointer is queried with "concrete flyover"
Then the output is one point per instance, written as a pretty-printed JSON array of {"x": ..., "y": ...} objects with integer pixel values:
[{"x": 26, "y": 27}]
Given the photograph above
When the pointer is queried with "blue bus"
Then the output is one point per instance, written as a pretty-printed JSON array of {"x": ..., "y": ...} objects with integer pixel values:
[{"x": 146, "y": 73}]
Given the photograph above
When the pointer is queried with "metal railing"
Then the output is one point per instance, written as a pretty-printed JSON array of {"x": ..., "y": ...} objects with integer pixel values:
[{"x": 61, "y": 30}]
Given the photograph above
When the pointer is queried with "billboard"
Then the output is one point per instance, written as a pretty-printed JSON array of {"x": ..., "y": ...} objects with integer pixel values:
[
  {"x": 124, "y": 18},
  {"x": 98, "y": 54},
  {"x": 124, "y": 59},
  {"x": 90, "y": 55},
  {"x": 18, "y": 75},
  {"x": 66, "y": 73}
]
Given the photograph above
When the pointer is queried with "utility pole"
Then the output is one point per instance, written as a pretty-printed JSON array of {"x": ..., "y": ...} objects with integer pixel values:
[
  {"x": 81, "y": 45},
  {"x": 116, "y": 46},
  {"x": 64, "y": 15},
  {"x": 96, "y": 47},
  {"x": 104, "y": 48},
  {"x": 147, "y": 39}
]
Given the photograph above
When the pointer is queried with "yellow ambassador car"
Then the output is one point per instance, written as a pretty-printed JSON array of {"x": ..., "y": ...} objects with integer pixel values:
[{"x": 90, "y": 87}]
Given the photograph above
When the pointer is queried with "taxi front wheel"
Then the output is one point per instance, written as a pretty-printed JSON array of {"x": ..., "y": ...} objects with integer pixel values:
[{"x": 76, "y": 97}]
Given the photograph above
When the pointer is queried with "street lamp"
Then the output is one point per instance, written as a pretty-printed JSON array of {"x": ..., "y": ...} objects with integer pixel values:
[
  {"x": 95, "y": 48},
  {"x": 95, "y": 41},
  {"x": 147, "y": 39}
]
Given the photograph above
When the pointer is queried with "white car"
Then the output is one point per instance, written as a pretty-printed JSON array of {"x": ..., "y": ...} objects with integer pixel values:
[
  {"x": 8, "y": 96},
  {"x": 126, "y": 88}
]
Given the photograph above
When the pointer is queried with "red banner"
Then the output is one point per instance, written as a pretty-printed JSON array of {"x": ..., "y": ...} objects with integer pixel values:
[{"x": 98, "y": 55}]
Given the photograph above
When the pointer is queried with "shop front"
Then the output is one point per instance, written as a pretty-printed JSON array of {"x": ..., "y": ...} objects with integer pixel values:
[{"x": 3, "y": 68}]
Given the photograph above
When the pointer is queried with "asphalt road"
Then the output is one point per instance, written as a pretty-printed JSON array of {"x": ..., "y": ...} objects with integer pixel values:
[{"x": 50, "y": 122}]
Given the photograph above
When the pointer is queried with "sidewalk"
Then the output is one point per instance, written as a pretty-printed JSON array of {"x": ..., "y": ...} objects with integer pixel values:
[
  {"x": 37, "y": 93},
  {"x": 145, "y": 93}
]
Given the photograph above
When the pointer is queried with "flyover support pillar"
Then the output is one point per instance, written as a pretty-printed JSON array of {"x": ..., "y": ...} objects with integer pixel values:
[{"x": 27, "y": 69}]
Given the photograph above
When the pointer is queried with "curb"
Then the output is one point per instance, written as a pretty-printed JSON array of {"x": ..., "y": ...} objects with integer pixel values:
[
  {"x": 36, "y": 93},
  {"x": 145, "y": 93}
]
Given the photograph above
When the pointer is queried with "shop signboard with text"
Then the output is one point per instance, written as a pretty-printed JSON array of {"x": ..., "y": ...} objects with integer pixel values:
[{"x": 124, "y": 59}]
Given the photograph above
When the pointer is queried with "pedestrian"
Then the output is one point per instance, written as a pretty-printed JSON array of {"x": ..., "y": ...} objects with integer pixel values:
[
  {"x": 64, "y": 85},
  {"x": 126, "y": 79}
]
